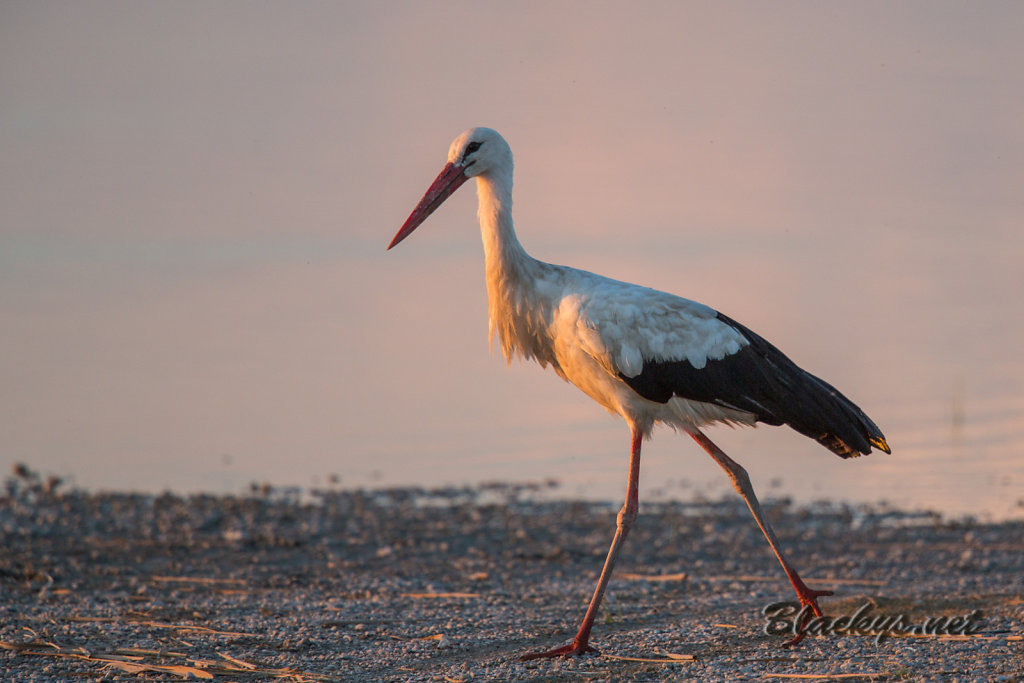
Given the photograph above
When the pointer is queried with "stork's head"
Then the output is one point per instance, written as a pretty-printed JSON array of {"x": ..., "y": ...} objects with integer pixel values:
[
  {"x": 476, "y": 152},
  {"x": 479, "y": 150}
]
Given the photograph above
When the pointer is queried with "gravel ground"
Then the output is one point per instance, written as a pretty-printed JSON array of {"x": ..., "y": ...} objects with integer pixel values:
[{"x": 454, "y": 585}]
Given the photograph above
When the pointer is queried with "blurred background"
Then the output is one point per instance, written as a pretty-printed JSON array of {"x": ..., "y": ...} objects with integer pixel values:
[{"x": 194, "y": 292}]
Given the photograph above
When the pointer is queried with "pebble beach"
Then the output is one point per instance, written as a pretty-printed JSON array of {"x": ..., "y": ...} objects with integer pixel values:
[{"x": 455, "y": 584}]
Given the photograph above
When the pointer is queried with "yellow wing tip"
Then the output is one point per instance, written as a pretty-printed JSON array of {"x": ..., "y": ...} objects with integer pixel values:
[{"x": 879, "y": 443}]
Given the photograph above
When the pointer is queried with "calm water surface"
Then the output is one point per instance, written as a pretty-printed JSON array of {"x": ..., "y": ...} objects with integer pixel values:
[{"x": 305, "y": 376}]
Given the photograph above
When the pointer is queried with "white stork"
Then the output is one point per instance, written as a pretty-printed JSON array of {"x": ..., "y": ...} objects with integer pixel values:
[{"x": 645, "y": 355}]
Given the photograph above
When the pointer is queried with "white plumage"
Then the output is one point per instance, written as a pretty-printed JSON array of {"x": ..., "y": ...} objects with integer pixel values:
[{"x": 645, "y": 355}]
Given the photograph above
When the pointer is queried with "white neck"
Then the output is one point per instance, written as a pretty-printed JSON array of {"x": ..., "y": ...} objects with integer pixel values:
[
  {"x": 501, "y": 246},
  {"x": 515, "y": 310}
]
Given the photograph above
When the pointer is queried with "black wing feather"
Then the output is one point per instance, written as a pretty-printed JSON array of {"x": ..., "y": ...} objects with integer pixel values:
[{"x": 761, "y": 380}]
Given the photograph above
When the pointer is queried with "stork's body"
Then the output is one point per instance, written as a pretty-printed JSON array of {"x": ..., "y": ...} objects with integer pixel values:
[{"x": 645, "y": 355}]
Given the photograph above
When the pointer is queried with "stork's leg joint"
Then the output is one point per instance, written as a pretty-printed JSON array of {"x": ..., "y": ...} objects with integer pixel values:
[
  {"x": 739, "y": 478},
  {"x": 624, "y": 520}
]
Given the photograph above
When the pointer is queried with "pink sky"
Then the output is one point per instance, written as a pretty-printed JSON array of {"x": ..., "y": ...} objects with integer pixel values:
[{"x": 195, "y": 292}]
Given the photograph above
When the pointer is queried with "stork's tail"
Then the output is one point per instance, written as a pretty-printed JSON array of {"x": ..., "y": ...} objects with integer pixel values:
[
  {"x": 811, "y": 405},
  {"x": 851, "y": 433}
]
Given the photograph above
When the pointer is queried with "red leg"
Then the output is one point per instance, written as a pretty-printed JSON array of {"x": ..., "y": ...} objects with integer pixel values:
[
  {"x": 741, "y": 482},
  {"x": 624, "y": 521}
]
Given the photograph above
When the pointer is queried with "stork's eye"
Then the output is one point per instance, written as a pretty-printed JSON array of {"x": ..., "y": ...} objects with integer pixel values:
[{"x": 470, "y": 148}]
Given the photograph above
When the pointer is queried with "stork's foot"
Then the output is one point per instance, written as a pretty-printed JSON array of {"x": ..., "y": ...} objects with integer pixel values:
[
  {"x": 808, "y": 599},
  {"x": 573, "y": 649}
]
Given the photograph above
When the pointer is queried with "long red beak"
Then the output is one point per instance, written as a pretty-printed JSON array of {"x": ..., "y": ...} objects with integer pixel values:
[{"x": 447, "y": 181}]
